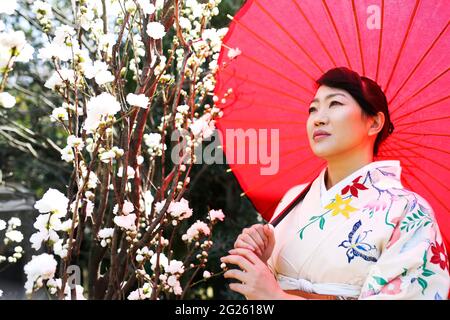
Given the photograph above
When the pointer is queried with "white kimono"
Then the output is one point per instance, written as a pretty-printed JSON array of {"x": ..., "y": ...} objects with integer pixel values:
[{"x": 367, "y": 237}]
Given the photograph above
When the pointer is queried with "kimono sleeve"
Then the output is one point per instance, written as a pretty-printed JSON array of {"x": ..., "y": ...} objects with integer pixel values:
[
  {"x": 270, "y": 265},
  {"x": 287, "y": 198},
  {"x": 414, "y": 262}
]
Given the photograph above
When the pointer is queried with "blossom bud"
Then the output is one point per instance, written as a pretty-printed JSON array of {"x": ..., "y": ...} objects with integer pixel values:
[{"x": 17, "y": 255}]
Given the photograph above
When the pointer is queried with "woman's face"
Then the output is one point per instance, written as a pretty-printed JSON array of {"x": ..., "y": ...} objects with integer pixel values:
[{"x": 338, "y": 113}]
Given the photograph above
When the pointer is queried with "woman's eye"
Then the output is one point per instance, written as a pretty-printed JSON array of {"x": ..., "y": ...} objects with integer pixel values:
[
  {"x": 335, "y": 102},
  {"x": 311, "y": 109},
  {"x": 331, "y": 104}
]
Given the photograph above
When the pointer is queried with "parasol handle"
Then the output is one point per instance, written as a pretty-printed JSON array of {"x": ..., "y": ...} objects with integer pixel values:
[{"x": 291, "y": 206}]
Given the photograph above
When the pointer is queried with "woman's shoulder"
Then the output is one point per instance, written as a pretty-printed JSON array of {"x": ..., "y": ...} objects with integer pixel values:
[{"x": 289, "y": 196}]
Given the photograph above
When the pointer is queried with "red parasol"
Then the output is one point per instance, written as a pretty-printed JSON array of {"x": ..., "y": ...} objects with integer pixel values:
[{"x": 275, "y": 50}]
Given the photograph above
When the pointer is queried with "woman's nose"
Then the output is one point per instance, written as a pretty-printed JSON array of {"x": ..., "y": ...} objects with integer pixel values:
[
  {"x": 320, "y": 118},
  {"x": 319, "y": 123}
]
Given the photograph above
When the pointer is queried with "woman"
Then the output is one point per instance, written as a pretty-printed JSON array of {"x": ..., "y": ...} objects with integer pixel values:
[{"x": 357, "y": 234}]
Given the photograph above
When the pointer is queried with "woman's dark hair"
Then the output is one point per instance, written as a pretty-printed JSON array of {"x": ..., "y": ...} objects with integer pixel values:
[{"x": 366, "y": 92}]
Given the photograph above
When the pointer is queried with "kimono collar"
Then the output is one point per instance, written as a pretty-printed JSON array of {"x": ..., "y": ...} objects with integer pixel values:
[{"x": 384, "y": 174}]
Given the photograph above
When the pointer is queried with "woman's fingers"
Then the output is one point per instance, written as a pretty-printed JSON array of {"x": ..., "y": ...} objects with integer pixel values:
[
  {"x": 240, "y": 288},
  {"x": 238, "y": 260},
  {"x": 247, "y": 254},
  {"x": 249, "y": 241},
  {"x": 270, "y": 234},
  {"x": 236, "y": 274},
  {"x": 256, "y": 238},
  {"x": 260, "y": 229},
  {"x": 242, "y": 244}
]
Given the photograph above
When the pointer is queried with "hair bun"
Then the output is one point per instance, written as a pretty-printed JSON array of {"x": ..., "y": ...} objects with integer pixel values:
[{"x": 391, "y": 128}]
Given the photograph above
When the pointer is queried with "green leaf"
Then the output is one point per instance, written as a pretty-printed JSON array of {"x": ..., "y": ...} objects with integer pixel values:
[
  {"x": 423, "y": 283},
  {"x": 423, "y": 209},
  {"x": 301, "y": 233},
  {"x": 426, "y": 223},
  {"x": 420, "y": 213},
  {"x": 405, "y": 272},
  {"x": 427, "y": 273},
  {"x": 409, "y": 218},
  {"x": 321, "y": 223},
  {"x": 313, "y": 218},
  {"x": 380, "y": 280},
  {"x": 415, "y": 216}
]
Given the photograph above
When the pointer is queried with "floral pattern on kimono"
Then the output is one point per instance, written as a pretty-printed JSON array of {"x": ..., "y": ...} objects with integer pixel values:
[
  {"x": 368, "y": 233},
  {"x": 414, "y": 264}
]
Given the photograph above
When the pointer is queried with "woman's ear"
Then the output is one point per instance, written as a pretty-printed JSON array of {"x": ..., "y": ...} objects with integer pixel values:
[{"x": 377, "y": 123}]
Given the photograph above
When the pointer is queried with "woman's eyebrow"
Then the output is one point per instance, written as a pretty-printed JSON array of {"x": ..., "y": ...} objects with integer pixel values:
[{"x": 328, "y": 97}]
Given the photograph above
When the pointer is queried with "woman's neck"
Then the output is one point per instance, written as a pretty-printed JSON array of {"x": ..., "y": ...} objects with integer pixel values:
[{"x": 339, "y": 169}]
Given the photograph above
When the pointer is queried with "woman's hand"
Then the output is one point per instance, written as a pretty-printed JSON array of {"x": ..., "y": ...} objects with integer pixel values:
[
  {"x": 258, "y": 238},
  {"x": 257, "y": 281}
]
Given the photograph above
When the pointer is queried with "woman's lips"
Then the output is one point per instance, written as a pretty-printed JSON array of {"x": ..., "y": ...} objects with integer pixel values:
[{"x": 321, "y": 136}]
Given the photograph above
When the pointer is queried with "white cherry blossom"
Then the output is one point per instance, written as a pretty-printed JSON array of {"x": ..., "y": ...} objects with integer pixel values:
[{"x": 155, "y": 30}]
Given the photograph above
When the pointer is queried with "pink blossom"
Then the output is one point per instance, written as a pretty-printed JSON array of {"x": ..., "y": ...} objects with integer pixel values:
[
  {"x": 216, "y": 214},
  {"x": 233, "y": 53},
  {"x": 180, "y": 209},
  {"x": 127, "y": 222},
  {"x": 396, "y": 234},
  {"x": 127, "y": 208},
  {"x": 376, "y": 205},
  {"x": 195, "y": 230},
  {"x": 393, "y": 287}
]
